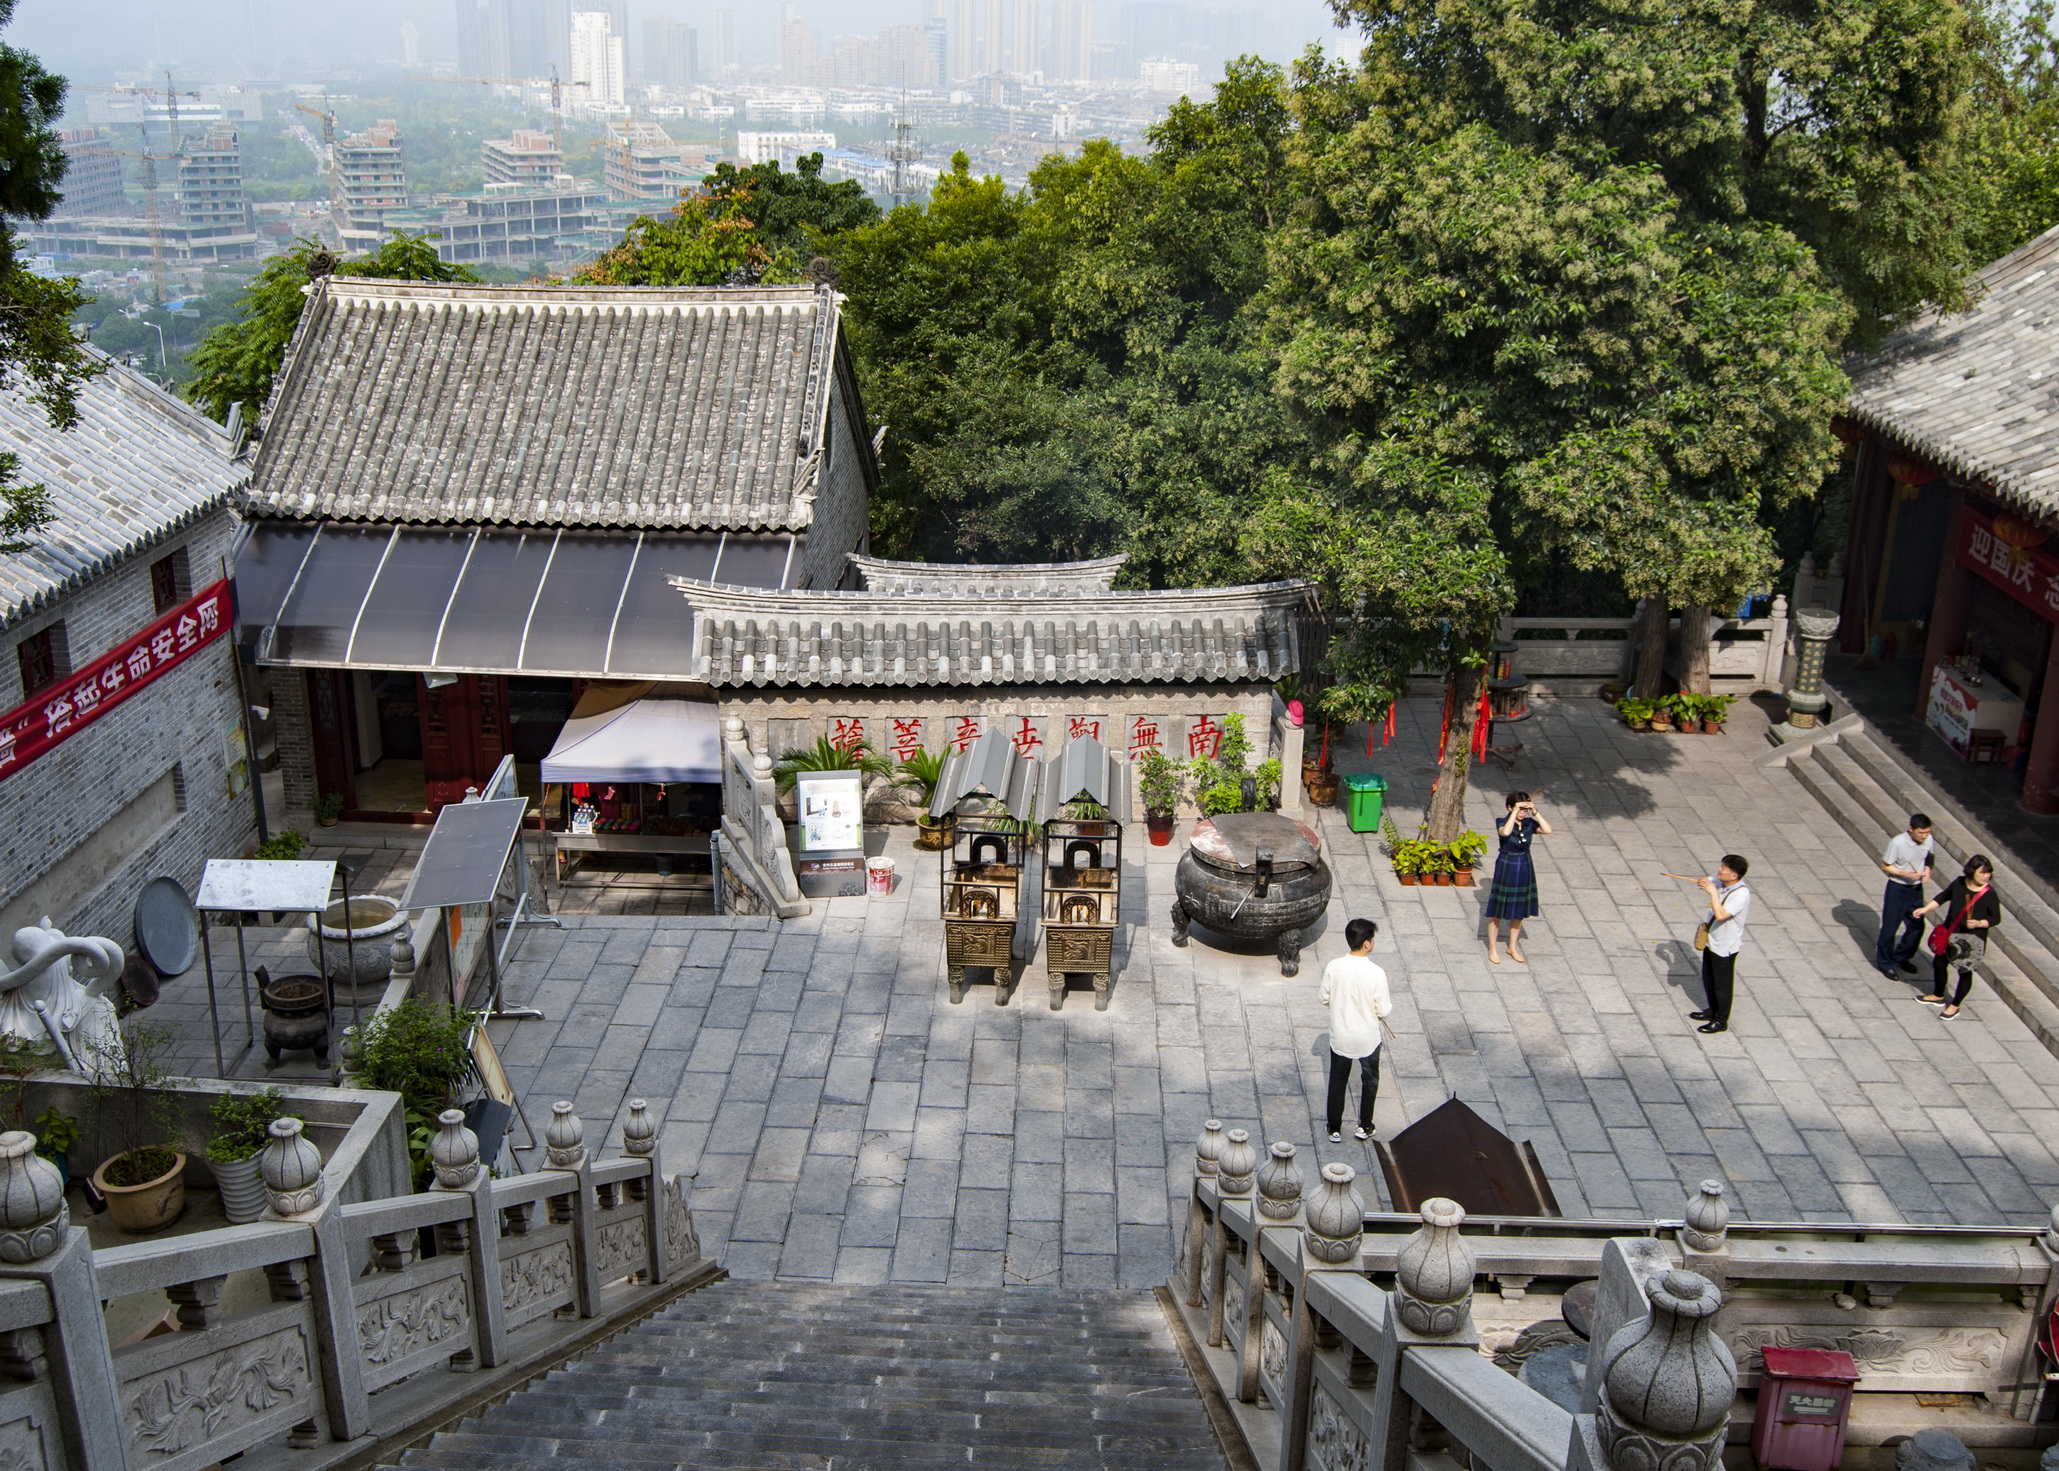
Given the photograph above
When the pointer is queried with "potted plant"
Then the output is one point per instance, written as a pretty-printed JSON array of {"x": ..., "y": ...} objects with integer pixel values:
[
  {"x": 1466, "y": 850},
  {"x": 1269, "y": 778},
  {"x": 1321, "y": 783},
  {"x": 1686, "y": 712},
  {"x": 283, "y": 846},
  {"x": 1437, "y": 864},
  {"x": 922, "y": 771},
  {"x": 242, "y": 1122},
  {"x": 1636, "y": 713},
  {"x": 1661, "y": 716},
  {"x": 1158, "y": 783},
  {"x": 328, "y": 810},
  {"x": 823, "y": 756},
  {"x": 1089, "y": 814},
  {"x": 1409, "y": 861},
  {"x": 143, "y": 1181},
  {"x": 422, "y": 1051},
  {"x": 1715, "y": 710},
  {"x": 56, "y": 1135}
]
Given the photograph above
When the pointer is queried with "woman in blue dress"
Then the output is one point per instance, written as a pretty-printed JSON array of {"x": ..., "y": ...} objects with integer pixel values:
[{"x": 1514, "y": 897}]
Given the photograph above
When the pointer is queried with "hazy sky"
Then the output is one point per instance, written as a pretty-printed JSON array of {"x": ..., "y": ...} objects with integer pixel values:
[{"x": 220, "y": 40}]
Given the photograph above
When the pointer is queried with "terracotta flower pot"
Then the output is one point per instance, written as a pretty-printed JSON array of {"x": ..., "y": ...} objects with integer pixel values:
[
  {"x": 1409, "y": 880},
  {"x": 1441, "y": 878},
  {"x": 150, "y": 1206},
  {"x": 1322, "y": 788},
  {"x": 1463, "y": 878},
  {"x": 1158, "y": 825},
  {"x": 1712, "y": 727}
]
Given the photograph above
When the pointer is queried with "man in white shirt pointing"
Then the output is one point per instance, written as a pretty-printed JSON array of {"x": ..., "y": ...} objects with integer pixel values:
[{"x": 1356, "y": 992}]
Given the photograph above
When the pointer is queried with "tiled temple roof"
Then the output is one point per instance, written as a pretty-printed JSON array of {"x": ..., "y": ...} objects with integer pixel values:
[
  {"x": 989, "y": 579},
  {"x": 654, "y": 408},
  {"x": 1975, "y": 393},
  {"x": 745, "y": 636}
]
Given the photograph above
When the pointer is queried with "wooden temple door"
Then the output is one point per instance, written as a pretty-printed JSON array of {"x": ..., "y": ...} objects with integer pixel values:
[
  {"x": 464, "y": 735},
  {"x": 332, "y": 730}
]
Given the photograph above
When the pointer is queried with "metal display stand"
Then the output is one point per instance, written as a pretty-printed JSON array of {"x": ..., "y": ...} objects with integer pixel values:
[
  {"x": 465, "y": 863},
  {"x": 246, "y": 886},
  {"x": 1082, "y": 864},
  {"x": 983, "y": 864}
]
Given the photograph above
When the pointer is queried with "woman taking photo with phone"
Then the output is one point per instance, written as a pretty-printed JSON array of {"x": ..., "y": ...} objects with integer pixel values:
[
  {"x": 1970, "y": 909},
  {"x": 1514, "y": 897}
]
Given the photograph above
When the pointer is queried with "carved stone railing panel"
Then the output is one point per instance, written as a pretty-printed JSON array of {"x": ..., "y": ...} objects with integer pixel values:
[
  {"x": 540, "y": 1278},
  {"x": 190, "y": 1400},
  {"x": 682, "y": 1240},
  {"x": 30, "y": 1438},
  {"x": 622, "y": 1244},
  {"x": 415, "y": 1320}
]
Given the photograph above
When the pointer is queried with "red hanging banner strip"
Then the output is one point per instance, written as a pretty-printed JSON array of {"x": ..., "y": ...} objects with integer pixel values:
[
  {"x": 84, "y": 695},
  {"x": 1482, "y": 725},
  {"x": 1388, "y": 734}
]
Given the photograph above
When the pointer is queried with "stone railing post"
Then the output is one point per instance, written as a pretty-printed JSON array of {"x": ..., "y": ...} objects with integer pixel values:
[
  {"x": 1705, "y": 1233},
  {"x": 1773, "y": 663},
  {"x": 1279, "y": 1208},
  {"x": 564, "y": 1140},
  {"x": 1627, "y": 1264},
  {"x": 1207, "y": 1149},
  {"x": 1432, "y": 1306},
  {"x": 1235, "y": 1171},
  {"x": 38, "y": 1243},
  {"x": 350, "y": 1058},
  {"x": 291, "y": 1168},
  {"x": 455, "y": 1152},
  {"x": 1333, "y": 1227},
  {"x": 1667, "y": 1382},
  {"x": 640, "y": 1141}
]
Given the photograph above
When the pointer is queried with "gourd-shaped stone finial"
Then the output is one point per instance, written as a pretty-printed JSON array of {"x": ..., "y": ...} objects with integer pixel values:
[
  {"x": 1668, "y": 1381},
  {"x": 1279, "y": 1184},
  {"x": 1708, "y": 1218},
  {"x": 1208, "y": 1148},
  {"x": 291, "y": 1168},
  {"x": 1237, "y": 1163},
  {"x": 350, "y": 1056},
  {"x": 33, "y": 1214},
  {"x": 1336, "y": 1217},
  {"x": 565, "y": 1137},
  {"x": 1433, "y": 1273},
  {"x": 639, "y": 1134},
  {"x": 403, "y": 955},
  {"x": 454, "y": 1151}
]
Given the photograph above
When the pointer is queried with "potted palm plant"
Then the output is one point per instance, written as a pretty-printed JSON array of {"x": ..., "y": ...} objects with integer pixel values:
[
  {"x": 824, "y": 756},
  {"x": 1158, "y": 783},
  {"x": 921, "y": 772},
  {"x": 143, "y": 1181}
]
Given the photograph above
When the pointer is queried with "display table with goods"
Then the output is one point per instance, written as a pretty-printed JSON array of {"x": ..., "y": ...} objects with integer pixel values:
[
  {"x": 633, "y": 776},
  {"x": 1968, "y": 709}
]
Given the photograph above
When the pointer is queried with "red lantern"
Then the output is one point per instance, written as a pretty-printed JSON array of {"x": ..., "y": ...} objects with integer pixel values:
[
  {"x": 1908, "y": 470},
  {"x": 1848, "y": 433},
  {"x": 2019, "y": 532}
]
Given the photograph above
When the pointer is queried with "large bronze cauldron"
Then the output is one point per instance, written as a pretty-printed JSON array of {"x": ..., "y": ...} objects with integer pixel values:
[{"x": 1252, "y": 876}]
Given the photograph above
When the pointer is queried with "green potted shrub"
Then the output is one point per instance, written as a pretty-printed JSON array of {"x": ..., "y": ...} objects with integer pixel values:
[
  {"x": 1661, "y": 716},
  {"x": 283, "y": 846},
  {"x": 1158, "y": 783},
  {"x": 822, "y": 756},
  {"x": 328, "y": 810},
  {"x": 921, "y": 772},
  {"x": 143, "y": 1181},
  {"x": 242, "y": 1124},
  {"x": 1466, "y": 850},
  {"x": 422, "y": 1051},
  {"x": 1636, "y": 712},
  {"x": 1686, "y": 712},
  {"x": 1269, "y": 777},
  {"x": 57, "y": 1133},
  {"x": 1409, "y": 861},
  {"x": 1089, "y": 814},
  {"x": 1715, "y": 710}
]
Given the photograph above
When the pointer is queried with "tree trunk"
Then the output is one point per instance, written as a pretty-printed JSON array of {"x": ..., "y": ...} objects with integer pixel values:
[
  {"x": 1447, "y": 815},
  {"x": 1651, "y": 649},
  {"x": 1694, "y": 649}
]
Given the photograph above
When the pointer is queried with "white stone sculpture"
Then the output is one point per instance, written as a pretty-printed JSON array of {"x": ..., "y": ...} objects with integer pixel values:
[{"x": 60, "y": 971}]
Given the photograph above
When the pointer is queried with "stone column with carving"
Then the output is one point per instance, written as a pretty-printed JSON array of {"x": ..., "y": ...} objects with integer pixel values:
[
  {"x": 1236, "y": 1170},
  {"x": 640, "y": 1141},
  {"x": 1667, "y": 1383},
  {"x": 564, "y": 1139},
  {"x": 1705, "y": 1233},
  {"x": 1432, "y": 1306},
  {"x": 1332, "y": 1232},
  {"x": 455, "y": 1155},
  {"x": 1279, "y": 1209},
  {"x": 297, "y": 1191},
  {"x": 1806, "y": 701},
  {"x": 1207, "y": 1149},
  {"x": 38, "y": 1243}
]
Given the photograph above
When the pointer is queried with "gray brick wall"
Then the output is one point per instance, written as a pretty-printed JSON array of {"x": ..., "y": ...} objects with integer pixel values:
[{"x": 177, "y": 723}]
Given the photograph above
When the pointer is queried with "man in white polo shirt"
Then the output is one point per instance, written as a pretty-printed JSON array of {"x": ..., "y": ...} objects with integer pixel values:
[
  {"x": 1356, "y": 992},
  {"x": 1906, "y": 862}
]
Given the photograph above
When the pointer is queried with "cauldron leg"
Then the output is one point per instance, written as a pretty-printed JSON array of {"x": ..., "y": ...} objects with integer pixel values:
[
  {"x": 1057, "y": 979},
  {"x": 1290, "y": 952},
  {"x": 271, "y": 1054},
  {"x": 1180, "y": 920},
  {"x": 1004, "y": 983},
  {"x": 956, "y": 974},
  {"x": 1103, "y": 980}
]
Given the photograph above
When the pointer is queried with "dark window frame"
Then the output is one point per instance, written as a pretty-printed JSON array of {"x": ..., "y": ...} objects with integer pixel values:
[{"x": 44, "y": 659}]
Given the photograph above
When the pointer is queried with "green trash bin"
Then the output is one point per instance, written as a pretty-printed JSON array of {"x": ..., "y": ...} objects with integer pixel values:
[{"x": 1365, "y": 797}]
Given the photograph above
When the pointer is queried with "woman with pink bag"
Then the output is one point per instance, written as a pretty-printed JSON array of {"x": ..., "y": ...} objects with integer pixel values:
[{"x": 1971, "y": 909}]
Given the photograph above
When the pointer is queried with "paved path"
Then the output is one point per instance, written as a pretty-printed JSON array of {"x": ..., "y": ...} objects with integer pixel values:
[{"x": 846, "y": 1121}]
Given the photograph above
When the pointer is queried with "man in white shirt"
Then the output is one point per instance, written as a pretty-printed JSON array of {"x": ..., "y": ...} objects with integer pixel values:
[
  {"x": 1356, "y": 992},
  {"x": 1906, "y": 862},
  {"x": 1729, "y": 902}
]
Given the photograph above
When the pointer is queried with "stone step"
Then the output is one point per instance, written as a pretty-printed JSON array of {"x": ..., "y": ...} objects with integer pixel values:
[{"x": 859, "y": 1379}]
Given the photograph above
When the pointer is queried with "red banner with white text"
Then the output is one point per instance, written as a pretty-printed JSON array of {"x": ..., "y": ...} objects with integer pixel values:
[
  {"x": 2027, "y": 575},
  {"x": 84, "y": 695}
]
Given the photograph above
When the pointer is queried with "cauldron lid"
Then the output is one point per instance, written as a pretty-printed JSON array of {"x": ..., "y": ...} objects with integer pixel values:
[{"x": 1233, "y": 841}]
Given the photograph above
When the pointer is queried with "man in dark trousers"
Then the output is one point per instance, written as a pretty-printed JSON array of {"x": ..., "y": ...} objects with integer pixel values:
[
  {"x": 1729, "y": 902},
  {"x": 1906, "y": 862}
]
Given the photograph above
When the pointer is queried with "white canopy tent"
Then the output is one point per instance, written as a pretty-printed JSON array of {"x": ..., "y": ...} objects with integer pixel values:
[{"x": 645, "y": 741}]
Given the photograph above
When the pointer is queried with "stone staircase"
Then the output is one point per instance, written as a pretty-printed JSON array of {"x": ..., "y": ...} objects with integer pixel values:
[
  {"x": 1861, "y": 782},
  {"x": 784, "y": 1375}
]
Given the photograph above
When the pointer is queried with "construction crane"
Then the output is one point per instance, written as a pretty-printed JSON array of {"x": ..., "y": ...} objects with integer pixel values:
[
  {"x": 557, "y": 106},
  {"x": 147, "y": 170},
  {"x": 328, "y": 116}
]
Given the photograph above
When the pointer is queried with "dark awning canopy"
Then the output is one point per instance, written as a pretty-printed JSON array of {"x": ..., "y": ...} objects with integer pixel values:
[{"x": 488, "y": 600}]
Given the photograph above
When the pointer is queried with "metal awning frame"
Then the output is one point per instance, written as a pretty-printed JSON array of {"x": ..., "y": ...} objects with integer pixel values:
[{"x": 990, "y": 767}]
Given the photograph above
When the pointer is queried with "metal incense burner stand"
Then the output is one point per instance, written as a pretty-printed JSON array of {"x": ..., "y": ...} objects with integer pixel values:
[
  {"x": 1085, "y": 790},
  {"x": 988, "y": 787}
]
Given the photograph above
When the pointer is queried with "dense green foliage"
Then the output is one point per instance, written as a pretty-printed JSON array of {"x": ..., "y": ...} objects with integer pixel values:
[
  {"x": 243, "y": 1123},
  {"x": 420, "y": 1050},
  {"x": 236, "y": 361}
]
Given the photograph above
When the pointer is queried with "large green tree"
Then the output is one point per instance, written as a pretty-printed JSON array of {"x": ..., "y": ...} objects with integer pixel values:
[
  {"x": 236, "y": 362},
  {"x": 38, "y": 348}
]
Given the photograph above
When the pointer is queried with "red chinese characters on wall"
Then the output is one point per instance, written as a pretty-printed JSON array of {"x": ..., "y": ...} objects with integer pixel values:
[
  {"x": 847, "y": 733},
  {"x": 964, "y": 731},
  {"x": 907, "y": 737},
  {"x": 1026, "y": 739},
  {"x": 1082, "y": 728},
  {"x": 2028, "y": 575},
  {"x": 83, "y": 696},
  {"x": 1205, "y": 738},
  {"x": 1144, "y": 736}
]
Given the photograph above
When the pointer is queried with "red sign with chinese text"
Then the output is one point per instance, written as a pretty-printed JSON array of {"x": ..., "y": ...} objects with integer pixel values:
[
  {"x": 2030, "y": 577},
  {"x": 84, "y": 695}
]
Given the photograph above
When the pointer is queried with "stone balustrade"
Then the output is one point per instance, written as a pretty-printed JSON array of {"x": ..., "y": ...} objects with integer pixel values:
[
  {"x": 325, "y": 1327},
  {"x": 1347, "y": 1340}
]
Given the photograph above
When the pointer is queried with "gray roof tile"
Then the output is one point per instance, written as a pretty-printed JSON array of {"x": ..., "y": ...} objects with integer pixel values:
[
  {"x": 989, "y": 579},
  {"x": 645, "y": 407},
  {"x": 138, "y": 467}
]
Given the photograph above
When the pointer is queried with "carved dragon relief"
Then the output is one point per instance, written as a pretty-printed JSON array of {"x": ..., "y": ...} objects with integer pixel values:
[
  {"x": 619, "y": 1248},
  {"x": 393, "y": 1328},
  {"x": 1957, "y": 1352},
  {"x": 536, "y": 1276},
  {"x": 1272, "y": 1360},
  {"x": 179, "y": 1408},
  {"x": 1335, "y": 1443}
]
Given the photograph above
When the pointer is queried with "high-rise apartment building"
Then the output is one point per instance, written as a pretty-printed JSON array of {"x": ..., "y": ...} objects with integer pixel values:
[
  {"x": 529, "y": 160},
  {"x": 671, "y": 53},
  {"x": 92, "y": 182},
  {"x": 721, "y": 55},
  {"x": 903, "y": 58},
  {"x": 597, "y": 58},
  {"x": 373, "y": 179},
  {"x": 211, "y": 180},
  {"x": 797, "y": 52},
  {"x": 639, "y": 160},
  {"x": 1071, "y": 54},
  {"x": 517, "y": 38},
  {"x": 1023, "y": 57}
]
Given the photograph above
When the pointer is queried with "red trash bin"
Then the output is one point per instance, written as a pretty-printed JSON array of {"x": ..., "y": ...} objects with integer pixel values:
[{"x": 1805, "y": 1402}]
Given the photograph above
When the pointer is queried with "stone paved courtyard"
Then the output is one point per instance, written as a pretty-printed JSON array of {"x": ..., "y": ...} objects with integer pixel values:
[{"x": 845, "y": 1121}]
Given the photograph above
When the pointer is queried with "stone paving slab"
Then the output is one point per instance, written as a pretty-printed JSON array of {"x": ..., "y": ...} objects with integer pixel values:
[{"x": 845, "y": 1122}]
